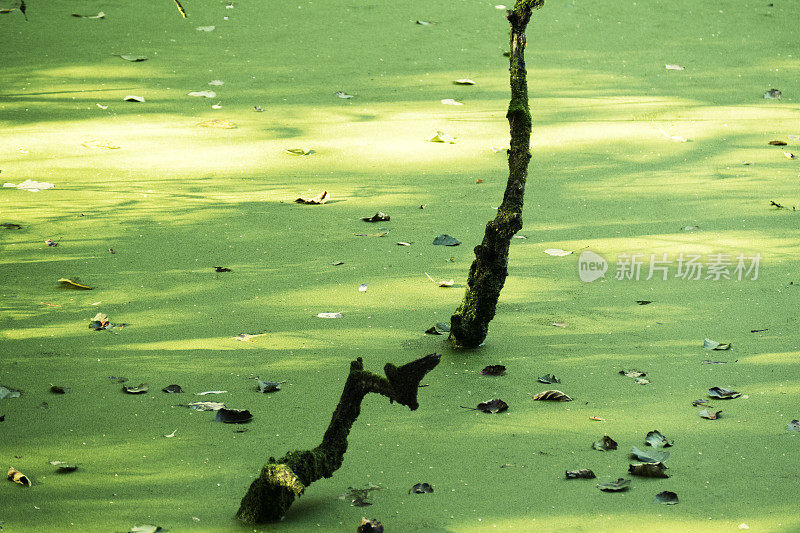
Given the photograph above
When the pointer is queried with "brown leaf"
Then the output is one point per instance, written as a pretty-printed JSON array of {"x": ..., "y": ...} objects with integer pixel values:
[
  {"x": 552, "y": 396},
  {"x": 723, "y": 394},
  {"x": 218, "y": 123},
  {"x": 648, "y": 470},
  {"x": 705, "y": 413},
  {"x": 605, "y": 444},
  {"x": 319, "y": 199},
  {"x": 777, "y": 143},
  {"x": 380, "y": 216},
  {"x": 583, "y": 473},
  {"x": 493, "y": 370}
]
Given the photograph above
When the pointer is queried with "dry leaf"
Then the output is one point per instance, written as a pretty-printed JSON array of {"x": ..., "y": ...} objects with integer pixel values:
[
  {"x": 705, "y": 413},
  {"x": 218, "y": 123},
  {"x": 615, "y": 486},
  {"x": 319, "y": 199},
  {"x": 777, "y": 143},
  {"x": 73, "y": 284},
  {"x": 648, "y": 470},
  {"x": 343, "y": 95},
  {"x": 464, "y": 81},
  {"x": 552, "y": 396},
  {"x": 442, "y": 137},
  {"x": 381, "y": 234},
  {"x": 583, "y": 473},
  {"x": 18, "y": 477},
  {"x": 380, "y": 216},
  {"x": 100, "y": 15},
  {"x": 103, "y": 145},
  {"x": 134, "y": 98},
  {"x": 558, "y": 252},
  {"x": 299, "y": 151},
  {"x": 206, "y": 406},
  {"x": 246, "y": 337},
  {"x": 676, "y": 138},
  {"x": 493, "y": 370},
  {"x": 605, "y": 444},
  {"x": 132, "y": 58}
]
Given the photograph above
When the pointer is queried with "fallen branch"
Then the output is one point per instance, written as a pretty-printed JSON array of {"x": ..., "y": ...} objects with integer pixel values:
[
  {"x": 487, "y": 275},
  {"x": 282, "y": 480}
]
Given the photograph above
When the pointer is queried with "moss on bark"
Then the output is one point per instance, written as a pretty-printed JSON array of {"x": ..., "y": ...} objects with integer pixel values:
[
  {"x": 282, "y": 480},
  {"x": 487, "y": 275}
]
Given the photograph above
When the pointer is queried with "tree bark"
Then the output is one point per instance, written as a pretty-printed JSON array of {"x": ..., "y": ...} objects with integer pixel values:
[
  {"x": 487, "y": 275},
  {"x": 282, "y": 480}
]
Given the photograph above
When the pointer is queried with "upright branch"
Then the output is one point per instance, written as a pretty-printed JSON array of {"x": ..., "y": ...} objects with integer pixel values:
[
  {"x": 487, "y": 275},
  {"x": 284, "y": 479}
]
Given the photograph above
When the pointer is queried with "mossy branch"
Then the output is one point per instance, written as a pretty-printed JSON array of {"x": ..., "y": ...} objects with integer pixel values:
[
  {"x": 487, "y": 275},
  {"x": 282, "y": 480}
]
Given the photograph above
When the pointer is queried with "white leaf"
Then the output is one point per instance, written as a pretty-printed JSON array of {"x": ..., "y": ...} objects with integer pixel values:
[
  {"x": 558, "y": 252},
  {"x": 206, "y": 406},
  {"x": 708, "y": 344},
  {"x": 134, "y": 98},
  {"x": 363, "y": 287},
  {"x": 464, "y": 81},
  {"x": 330, "y": 315},
  {"x": 673, "y": 67},
  {"x": 790, "y": 155},
  {"x": 31, "y": 185},
  {"x": 450, "y": 101},
  {"x": 343, "y": 95},
  {"x": 204, "y": 94},
  {"x": 205, "y": 28},
  {"x": 216, "y": 82},
  {"x": 147, "y": 528},
  {"x": 676, "y": 138},
  {"x": 210, "y": 392}
]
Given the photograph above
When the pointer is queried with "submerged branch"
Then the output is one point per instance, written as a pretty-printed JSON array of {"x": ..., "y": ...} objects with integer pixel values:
[
  {"x": 282, "y": 480},
  {"x": 487, "y": 275}
]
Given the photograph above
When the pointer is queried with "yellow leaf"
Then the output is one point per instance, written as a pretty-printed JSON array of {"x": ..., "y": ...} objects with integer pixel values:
[
  {"x": 71, "y": 284},
  {"x": 18, "y": 477}
]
